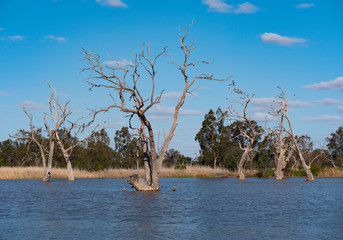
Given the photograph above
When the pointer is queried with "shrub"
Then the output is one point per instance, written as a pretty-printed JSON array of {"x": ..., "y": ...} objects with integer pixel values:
[
  {"x": 315, "y": 170},
  {"x": 180, "y": 167}
]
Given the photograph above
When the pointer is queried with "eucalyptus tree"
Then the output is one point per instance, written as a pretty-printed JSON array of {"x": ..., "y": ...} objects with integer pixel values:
[
  {"x": 211, "y": 138},
  {"x": 127, "y": 147},
  {"x": 335, "y": 147},
  {"x": 128, "y": 95}
]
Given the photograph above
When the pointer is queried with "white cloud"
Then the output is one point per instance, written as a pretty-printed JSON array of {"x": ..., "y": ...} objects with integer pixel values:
[
  {"x": 164, "y": 110},
  {"x": 262, "y": 117},
  {"x": 329, "y": 101},
  {"x": 122, "y": 62},
  {"x": 33, "y": 106},
  {"x": 4, "y": 94},
  {"x": 58, "y": 39},
  {"x": 281, "y": 40},
  {"x": 16, "y": 37},
  {"x": 331, "y": 119},
  {"x": 337, "y": 83},
  {"x": 221, "y": 6},
  {"x": 2, "y": 29},
  {"x": 112, "y": 3},
  {"x": 218, "y": 6},
  {"x": 340, "y": 108},
  {"x": 266, "y": 104},
  {"x": 299, "y": 104},
  {"x": 246, "y": 8},
  {"x": 177, "y": 95},
  {"x": 304, "y": 5}
]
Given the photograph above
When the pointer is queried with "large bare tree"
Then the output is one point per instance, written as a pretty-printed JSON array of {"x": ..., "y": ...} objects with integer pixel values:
[
  {"x": 249, "y": 131},
  {"x": 282, "y": 112},
  {"x": 125, "y": 84}
]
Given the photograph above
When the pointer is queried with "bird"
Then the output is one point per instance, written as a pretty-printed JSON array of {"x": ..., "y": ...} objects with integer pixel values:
[{"x": 174, "y": 188}]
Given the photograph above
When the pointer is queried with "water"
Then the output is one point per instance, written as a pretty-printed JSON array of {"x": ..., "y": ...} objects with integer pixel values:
[{"x": 198, "y": 209}]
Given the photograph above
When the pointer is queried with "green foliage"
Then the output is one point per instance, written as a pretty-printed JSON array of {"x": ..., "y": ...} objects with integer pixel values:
[
  {"x": 175, "y": 158},
  {"x": 180, "y": 167},
  {"x": 297, "y": 173},
  {"x": 315, "y": 170},
  {"x": 265, "y": 173}
]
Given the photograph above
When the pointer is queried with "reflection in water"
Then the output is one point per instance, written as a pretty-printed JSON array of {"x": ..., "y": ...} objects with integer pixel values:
[{"x": 198, "y": 209}]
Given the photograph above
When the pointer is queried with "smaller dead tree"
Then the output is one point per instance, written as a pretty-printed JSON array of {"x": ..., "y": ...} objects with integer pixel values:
[
  {"x": 282, "y": 113},
  {"x": 249, "y": 131},
  {"x": 283, "y": 145},
  {"x": 32, "y": 136},
  {"x": 66, "y": 132}
]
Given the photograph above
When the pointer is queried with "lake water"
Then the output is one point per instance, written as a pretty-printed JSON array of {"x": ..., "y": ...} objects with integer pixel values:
[{"x": 198, "y": 209}]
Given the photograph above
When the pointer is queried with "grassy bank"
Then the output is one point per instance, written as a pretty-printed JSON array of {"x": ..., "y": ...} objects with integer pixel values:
[{"x": 189, "y": 172}]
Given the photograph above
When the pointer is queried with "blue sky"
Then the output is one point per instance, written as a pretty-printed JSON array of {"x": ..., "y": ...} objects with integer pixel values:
[{"x": 297, "y": 45}]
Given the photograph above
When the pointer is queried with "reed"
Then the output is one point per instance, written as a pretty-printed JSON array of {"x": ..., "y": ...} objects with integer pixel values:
[
  {"x": 331, "y": 172},
  {"x": 190, "y": 171}
]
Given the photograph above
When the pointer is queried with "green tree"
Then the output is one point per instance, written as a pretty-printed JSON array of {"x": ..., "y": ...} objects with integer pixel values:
[
  {"x": 126, "y": 147},
  {"x": 174, "y": 158},
  {"x": 210, "y": 138},
  {"x": 335, "y": 146}
]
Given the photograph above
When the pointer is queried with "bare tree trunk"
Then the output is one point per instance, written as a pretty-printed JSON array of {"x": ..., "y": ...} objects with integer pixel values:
[
  {"x": 307, "y": 168},
  {"x": 242, "y": 162},
  {"x": 47, "y": 170},
  {"x": 70, "y": 170},
  {"x": 280, "y": 165}
]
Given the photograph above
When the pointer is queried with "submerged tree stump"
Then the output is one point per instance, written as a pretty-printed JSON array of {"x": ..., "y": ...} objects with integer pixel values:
[{"x": 139, "y": 183}]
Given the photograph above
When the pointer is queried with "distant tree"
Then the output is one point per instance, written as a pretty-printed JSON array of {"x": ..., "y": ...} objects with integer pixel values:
[
  {"x": 211, "y": 138},
  {"x": 174, "y": 158},
  {"x": 266, "y": 153},
  {"x": 14, "y": 153},
  {"x": 335, "y": 147},
  {"x": 126, "y": 145},
  {"x": 99, "y": 153}
]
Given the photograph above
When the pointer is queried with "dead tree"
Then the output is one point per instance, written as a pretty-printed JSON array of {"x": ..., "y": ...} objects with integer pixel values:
[
  {"x": 283, "y": 145},
  {"x": 250, "y": 132},
  {"x": 65, "y": 129},
  {"x": 282, "y": 113},
  {"x": 125, "y": 82},
  {"x": 31, "y": 136}
]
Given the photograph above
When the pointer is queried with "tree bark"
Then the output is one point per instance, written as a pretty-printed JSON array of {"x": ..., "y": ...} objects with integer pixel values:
[
  {"x": 241, "y": 163},
  {"x": 280, "y": 165},
  {"x": 70, "y": 170}
]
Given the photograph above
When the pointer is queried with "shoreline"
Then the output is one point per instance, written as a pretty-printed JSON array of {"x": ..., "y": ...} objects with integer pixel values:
[{"x": 16, "y": 173}]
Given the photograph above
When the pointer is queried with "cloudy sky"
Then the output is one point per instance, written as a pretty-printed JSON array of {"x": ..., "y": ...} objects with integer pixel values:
[{"x": 263, "y": 44}]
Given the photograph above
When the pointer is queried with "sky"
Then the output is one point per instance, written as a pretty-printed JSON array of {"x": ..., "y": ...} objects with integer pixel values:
[{"x": 262, "y": 45}]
